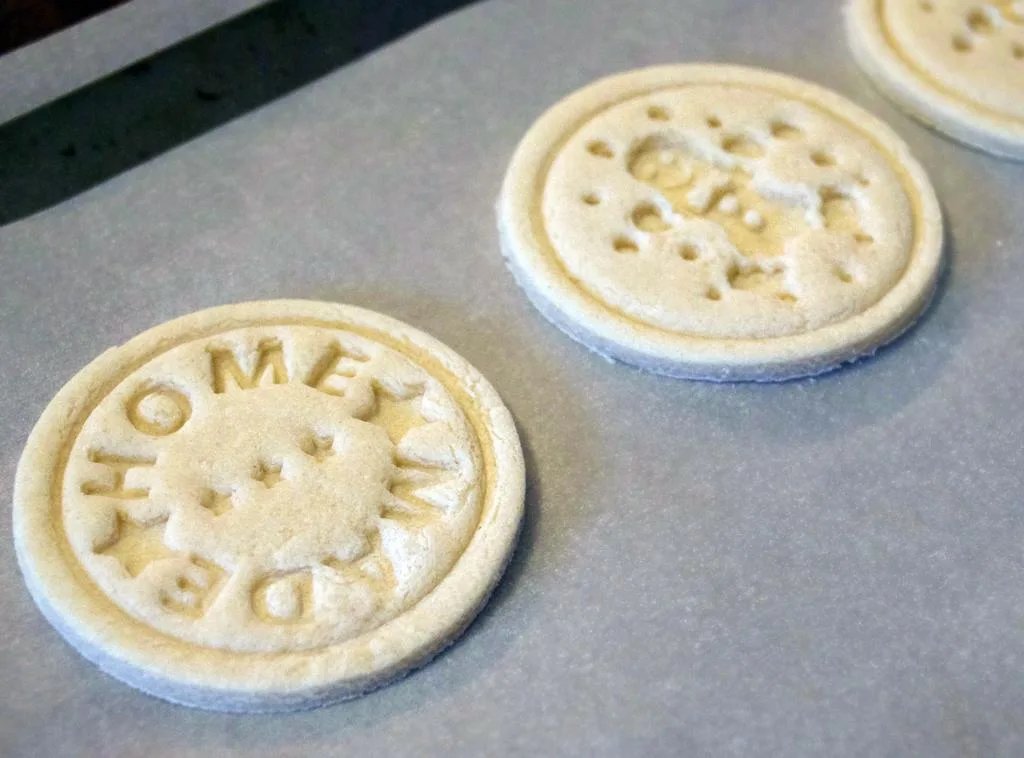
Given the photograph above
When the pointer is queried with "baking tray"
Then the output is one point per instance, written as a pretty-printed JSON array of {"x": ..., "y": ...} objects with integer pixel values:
[
  {"x": 822, "y": 567},
  {"x": 57, "y": 64}
]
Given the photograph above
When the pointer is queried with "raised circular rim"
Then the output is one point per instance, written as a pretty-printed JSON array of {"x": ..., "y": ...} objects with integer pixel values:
[
  {"x": 565, "y": 303},
  {"x": 925, "y": 98},
  {"x": 258, "y": 682}
]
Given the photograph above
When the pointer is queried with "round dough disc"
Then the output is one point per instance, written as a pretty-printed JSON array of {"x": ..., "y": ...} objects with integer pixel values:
[
  {"x": 721, "y": 223},
  {"x": 957, "y": 65},
  {"x": 268, "y": 506}
]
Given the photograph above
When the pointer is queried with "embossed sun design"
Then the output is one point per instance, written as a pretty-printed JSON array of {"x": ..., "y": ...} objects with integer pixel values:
[
  {"x": 727, "y": 212},
  {"x": 303, "y": 504},
  {"x": 698, "y": 187}
]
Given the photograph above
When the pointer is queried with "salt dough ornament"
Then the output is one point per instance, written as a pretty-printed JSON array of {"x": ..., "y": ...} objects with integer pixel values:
[
  {"x": 720, "y": 223},
  {"x": 268, "y": 506}
]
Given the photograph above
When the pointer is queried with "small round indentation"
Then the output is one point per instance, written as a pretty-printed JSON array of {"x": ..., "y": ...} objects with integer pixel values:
[
  {"x": 863, "y": 239},
  {"x": 962, "y": 43},
  {"x": 823, "y": 158},
  {"x": 741, "y": 144},
  {"x": 928, "y": 6},
  {"x": 783, "y": 130},
  {"x": 625, "y": 245},
  {"x": 647, "y": 218},
  {"x": 1018, "y": 51},
  {"x": 842, "y": 275},
  {"x": 713, "y": 294},
  {"x": 862, "y": 180},
  {"x": 592, "y": 198},
  {"x": 657, "y": 113},
  {"x": 979, "y": 22},
  {"x": 786, "y": 297},
  {"x": 714, "y": 122},
  {"x": 688, "y": 251},
  {"x": 600, "y": 148}
]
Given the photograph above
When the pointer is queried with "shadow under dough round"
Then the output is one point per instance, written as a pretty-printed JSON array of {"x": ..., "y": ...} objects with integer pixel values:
[
  {"x": 956, "y": 65},
  {"x": 720, "y": 223},
  {"x": 268, "y": 506}
]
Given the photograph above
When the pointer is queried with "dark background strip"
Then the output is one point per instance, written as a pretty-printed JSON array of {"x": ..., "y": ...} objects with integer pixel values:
[{"x": 70, "y": 145}]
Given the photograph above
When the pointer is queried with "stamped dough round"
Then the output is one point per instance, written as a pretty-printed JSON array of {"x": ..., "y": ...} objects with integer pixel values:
[
  {"x": 958, "y": 65},
  {"x": 268, "y": 506},
  {"x": 720, "y": 223}
]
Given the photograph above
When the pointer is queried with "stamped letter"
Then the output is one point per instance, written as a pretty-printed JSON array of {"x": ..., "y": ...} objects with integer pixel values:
[
  {"x": 158, "y": 410},
  {"x": 224, "y": 365},
  {"x": 120, "y": 465},
  {"x": 320, "y": 378}
]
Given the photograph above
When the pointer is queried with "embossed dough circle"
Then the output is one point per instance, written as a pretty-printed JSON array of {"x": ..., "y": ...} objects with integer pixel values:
[
  {"x": 921, "y": 93},
  {"x": 251, "y": 682},
  {"x": 572, "y": 309}
]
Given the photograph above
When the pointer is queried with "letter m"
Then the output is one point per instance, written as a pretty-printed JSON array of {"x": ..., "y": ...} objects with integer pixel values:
[{"x": 225, "y": 369}]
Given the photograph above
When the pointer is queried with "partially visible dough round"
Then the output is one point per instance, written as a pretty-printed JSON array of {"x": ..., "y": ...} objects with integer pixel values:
[
  {"x": 720, "y": 223},
  {"x": 957, "y": 65},
  {"x": 268, "y": 506}
]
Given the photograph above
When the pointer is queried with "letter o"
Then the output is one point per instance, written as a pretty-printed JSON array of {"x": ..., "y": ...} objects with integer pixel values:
[{"x": 158, "y": 410}]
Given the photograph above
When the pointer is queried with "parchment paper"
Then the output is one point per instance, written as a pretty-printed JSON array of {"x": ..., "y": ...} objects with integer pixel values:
[{"x": 829, "y": 567}]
